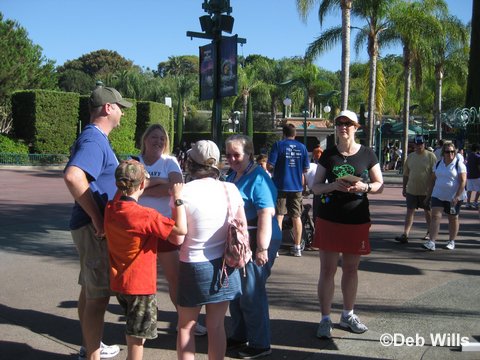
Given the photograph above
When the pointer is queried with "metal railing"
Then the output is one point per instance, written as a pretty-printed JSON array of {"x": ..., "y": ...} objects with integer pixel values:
[
  {"x": 40, "y": 159},
  {"x": 32, "y": 159}
]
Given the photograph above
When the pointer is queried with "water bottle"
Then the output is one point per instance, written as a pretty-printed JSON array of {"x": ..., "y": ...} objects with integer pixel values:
[{"x": 452, "y": 209}]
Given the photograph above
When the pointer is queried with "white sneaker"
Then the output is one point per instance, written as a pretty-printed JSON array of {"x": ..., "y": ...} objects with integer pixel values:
[
  {"x": 353, "y": 323},
  {"x": 450, "y": 245},
  {"x": 106, "y": 351},
  {"x": 325, "y": 329},
  {"x": 429, "y": 245},
  {"x": 295, "y": 251}
]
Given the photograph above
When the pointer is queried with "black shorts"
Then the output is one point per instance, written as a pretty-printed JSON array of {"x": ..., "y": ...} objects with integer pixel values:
[{"x": 417, "y": 202}]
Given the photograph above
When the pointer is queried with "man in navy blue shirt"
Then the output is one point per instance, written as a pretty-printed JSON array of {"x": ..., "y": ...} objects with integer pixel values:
[
  {"x": 90, "y": 178},
  {"x": 289, "y": 161}
]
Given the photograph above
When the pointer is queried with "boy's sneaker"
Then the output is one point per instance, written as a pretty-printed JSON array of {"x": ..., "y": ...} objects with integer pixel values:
[
  {"x": 429, "y": 245},
  {"x": 296, "y": 252},
  {"x": 450, "y": 245},
  {"x": 353, "y": 323},
  {"x": 254, "y": 353},
  {"x": 402, "y": 239},
  {"x": 325, "y": 329},
  {"x": 106, "y": 351}
]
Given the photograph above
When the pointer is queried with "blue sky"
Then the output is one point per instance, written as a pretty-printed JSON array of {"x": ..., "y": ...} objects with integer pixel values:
[{"x": 149, "y": 31}]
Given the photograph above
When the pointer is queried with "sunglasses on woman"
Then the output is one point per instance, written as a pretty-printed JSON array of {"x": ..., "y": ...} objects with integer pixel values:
[{"x": 344, "y": 123}]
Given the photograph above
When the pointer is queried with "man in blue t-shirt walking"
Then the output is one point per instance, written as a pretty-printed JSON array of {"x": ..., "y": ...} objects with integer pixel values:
[{"x": 288, "y": 162}]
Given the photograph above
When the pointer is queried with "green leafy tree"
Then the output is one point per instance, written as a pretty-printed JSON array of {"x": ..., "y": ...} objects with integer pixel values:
[
  {"x": 98, "y": 64},
  {"x": 22, "y": 65},
  {"x": 72, "y": 80}
]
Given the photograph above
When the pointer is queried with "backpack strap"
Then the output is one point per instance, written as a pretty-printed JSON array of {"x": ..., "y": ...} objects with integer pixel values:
[
  {"x": 223, "y": 273},
  {"x": 456, "y": 164},
  {"x": 229, "y": 204}
]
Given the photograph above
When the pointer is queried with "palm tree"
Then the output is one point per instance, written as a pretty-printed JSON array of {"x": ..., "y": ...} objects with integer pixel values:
[
  {"x": 328, "y": 38},
  {"x": 247, "y": 81},
  {"x": 272, "y": 73},
  {"x": 184, "y": 74},
  {"x": 374, "y": 12},
  {"x": 452, "y": 39},
  {"x": 415, "y": 26}
]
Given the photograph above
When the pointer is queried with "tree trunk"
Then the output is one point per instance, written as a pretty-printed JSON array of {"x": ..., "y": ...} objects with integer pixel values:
[
  {"x": 179, "y": 132},
  {"x": 346, "y": 8},
  {"x": 406, "y": 101},
  {"x": 245, "y": 97},
  {"x": 437, "y": 111},
  {"x": 373, "y": 50},
  {"x": 249, "y": 130}
]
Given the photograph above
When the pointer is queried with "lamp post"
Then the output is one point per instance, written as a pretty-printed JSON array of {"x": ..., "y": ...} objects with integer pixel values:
[{"x": 236, "y": 115}]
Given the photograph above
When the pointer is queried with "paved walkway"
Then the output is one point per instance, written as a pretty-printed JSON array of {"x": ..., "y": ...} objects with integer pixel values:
[{"x": 404, "y": 291}]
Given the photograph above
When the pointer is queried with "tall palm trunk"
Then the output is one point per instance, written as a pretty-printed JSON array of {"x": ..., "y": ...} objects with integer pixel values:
[
  {"x": 179, "y": 132},
  {"x": 245, "y": 98},
  {"x": 346, "y": 9},
  {"x": 437, "y": 111},
  {"x": 373, "y": 52},
  {"x": 407, "y": 63}
]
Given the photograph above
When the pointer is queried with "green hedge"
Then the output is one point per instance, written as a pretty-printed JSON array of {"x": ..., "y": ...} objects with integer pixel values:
[
  {"x": 149, "y": 113},
  {"x": 122, "y": 138},
  {"x": 12, "y": 146},
  {"x": 45, "y": 119}
]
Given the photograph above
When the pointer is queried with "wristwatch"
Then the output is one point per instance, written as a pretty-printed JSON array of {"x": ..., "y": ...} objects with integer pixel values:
[
  {"x": 178, "y": 202},
  {"x": 369, "y": 187}
]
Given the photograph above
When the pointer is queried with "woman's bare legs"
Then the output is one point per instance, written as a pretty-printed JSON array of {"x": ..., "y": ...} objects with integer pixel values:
[{"x": 326, "y": 284}]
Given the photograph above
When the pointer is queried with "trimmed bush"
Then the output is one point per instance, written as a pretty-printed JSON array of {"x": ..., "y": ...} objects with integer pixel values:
[
  {"x": 149, "y": 113},
  {"x": 45, "y": 119},
  {"x": 11, "y": 146},
  {"x": 122, "y": 138}
]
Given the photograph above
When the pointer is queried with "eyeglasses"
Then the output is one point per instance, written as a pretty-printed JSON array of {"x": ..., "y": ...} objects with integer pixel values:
[
  {"x": 236, "y": 156},
  {"x": 449, "y": 152},
  {"x": 344, "y": 123}
]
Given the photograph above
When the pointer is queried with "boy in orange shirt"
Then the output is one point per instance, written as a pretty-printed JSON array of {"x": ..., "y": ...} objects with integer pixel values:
[{"x": 132, "y": 233}]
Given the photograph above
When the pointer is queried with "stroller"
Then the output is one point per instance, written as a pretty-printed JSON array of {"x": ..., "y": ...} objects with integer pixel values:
[{"x": 308, "y": 229}]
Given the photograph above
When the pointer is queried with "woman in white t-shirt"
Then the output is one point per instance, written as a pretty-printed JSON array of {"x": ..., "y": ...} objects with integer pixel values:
[
  {"x": 164, "y": 172},
  {"x": 447, "y": 192},
  {"x": 200, "y": 280}
]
